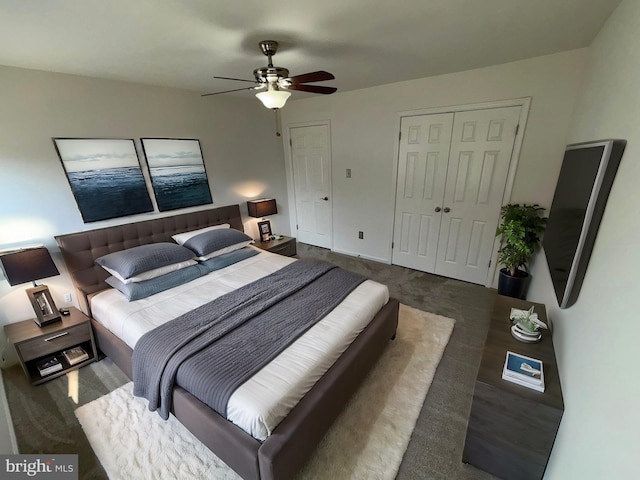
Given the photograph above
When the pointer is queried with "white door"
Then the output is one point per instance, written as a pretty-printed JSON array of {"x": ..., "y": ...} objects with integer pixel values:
[
  {"x": 481, "y": 147},
  {"x": 452, "y": 234},
  {"x": 311, "y": 158},
  {"x": 422, "y": 171}
]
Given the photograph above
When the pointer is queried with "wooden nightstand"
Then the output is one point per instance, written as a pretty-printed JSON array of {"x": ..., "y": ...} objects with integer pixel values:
[
  {"x": 285, "y": 246},
  {"x": 511, "y": 428},
  {"x": 34, "y": 343}
]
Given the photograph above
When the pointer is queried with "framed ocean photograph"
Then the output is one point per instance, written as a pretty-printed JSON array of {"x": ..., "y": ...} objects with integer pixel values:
[
  {"x": 177, "y": 172},
  {"x": 105, "y": 177}
]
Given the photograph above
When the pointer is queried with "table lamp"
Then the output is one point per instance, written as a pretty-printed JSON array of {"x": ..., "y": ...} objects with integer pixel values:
[
  {"x": 259, "y": 209},
  {"x": 29, "y": 265}
]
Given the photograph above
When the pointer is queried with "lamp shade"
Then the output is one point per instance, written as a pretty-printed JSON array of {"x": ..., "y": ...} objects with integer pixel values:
[
  {"x": 28, "y": 265},
  {"x": 262, "y": 207},
  {"x": 273, "y": 98}
]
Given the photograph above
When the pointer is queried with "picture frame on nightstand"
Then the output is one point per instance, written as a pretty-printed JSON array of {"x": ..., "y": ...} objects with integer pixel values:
[
  {"x": 43, "y": 305},
  {"x": 264, "y": 228}
]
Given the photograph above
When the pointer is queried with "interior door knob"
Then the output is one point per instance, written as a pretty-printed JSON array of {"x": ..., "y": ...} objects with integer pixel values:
[
  {"x": 326, "y": 199},
  {"x": 437, "y": 209},
  {"x": 447, "y": 209}
]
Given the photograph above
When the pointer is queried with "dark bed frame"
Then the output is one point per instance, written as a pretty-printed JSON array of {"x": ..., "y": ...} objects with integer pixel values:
[{"x": 286, "y": 450}]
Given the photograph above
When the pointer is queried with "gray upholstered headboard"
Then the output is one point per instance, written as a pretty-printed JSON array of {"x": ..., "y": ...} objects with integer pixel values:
[{"x": 80, "y": 249}]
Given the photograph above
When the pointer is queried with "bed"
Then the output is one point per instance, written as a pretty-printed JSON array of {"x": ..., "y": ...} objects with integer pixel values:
[{"x": 290, "y": 444}]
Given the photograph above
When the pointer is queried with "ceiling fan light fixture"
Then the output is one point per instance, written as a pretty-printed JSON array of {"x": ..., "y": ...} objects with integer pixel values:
[{"x": 273, "y": 98}]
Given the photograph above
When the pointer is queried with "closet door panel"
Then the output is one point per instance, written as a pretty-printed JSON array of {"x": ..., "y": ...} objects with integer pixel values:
[
  {"x": 481, "y": 147},
  {"x": 422, "y": 172}
]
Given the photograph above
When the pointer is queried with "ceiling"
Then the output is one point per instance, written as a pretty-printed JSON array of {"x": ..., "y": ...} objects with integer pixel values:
[{"x": 184, "y": 43}]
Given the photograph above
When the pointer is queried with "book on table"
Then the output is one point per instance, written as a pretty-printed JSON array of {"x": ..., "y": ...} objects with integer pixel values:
[
  {"x": 48, "y": 366},
  {"x": 525, "y": 371},
  {"x": 75, "y": 355}
]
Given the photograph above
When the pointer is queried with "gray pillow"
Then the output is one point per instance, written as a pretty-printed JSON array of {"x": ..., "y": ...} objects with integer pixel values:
[
  {"x": 136, "y": 291},
  {"x": 133, "y": 261},
  {"x": 226, "y": 259},
  {"x": 217, "y": 242}
]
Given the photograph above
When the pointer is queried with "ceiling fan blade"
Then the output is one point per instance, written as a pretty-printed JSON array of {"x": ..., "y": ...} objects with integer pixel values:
[
  {"x": 318, "y": 76},
  {"x": 313, "y": 89},
  {"x": 236, "y": 79},
  {"x": 228, "y": 91}
]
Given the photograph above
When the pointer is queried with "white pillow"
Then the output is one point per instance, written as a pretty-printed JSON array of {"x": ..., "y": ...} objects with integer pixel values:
[
  {"x": 180, "y": 238},
  {"x": 156, "y": 272}
]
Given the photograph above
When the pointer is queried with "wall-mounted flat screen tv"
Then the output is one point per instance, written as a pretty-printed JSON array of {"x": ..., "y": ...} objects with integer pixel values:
[{"x": 587, "y": 174}]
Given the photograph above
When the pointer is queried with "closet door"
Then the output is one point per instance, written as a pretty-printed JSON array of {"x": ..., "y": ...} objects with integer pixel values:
[
  {"x": 452, "y": 172},
  {"x": 422, "y": 171},
  {"x": 481, "y": 147}
]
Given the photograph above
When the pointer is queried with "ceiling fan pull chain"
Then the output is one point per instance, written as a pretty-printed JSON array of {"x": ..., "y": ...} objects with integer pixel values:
[{"x": 278, "y": 122}]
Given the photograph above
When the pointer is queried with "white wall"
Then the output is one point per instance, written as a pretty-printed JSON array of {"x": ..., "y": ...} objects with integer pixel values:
[
  {"x": 596, "y": 339},
  {"x": 365, "y": 125},
  {"x": 243, "y": 159},
  {"x": 242, "y": 154}
]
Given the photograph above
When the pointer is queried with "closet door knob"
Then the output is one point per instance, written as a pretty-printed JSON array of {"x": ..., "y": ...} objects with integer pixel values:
[
  {"x": 437, "y": 209},
  {"x": 447, "y": 209},
  {"x": 326, "y": 199}
]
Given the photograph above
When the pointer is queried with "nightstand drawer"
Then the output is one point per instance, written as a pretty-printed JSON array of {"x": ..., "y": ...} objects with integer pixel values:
[{"x": 54, "y": 342}]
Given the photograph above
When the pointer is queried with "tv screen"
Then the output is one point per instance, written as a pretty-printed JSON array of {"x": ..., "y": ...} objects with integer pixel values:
[{"x": 586, "y": 177}]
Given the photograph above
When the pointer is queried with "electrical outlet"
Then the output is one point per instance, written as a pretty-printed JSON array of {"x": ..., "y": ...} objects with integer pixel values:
[
  {"x": 67, "y": 297},
  {"x": 348, "y": 173},
  {"x": 361, "y": 235}
]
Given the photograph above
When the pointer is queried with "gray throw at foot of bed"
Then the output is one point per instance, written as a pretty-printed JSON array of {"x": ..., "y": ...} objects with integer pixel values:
[{"x": 215, "y": 348}]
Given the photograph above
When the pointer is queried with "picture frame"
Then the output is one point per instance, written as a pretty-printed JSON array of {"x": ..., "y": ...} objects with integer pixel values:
[
  {"x": 177, "y": 171},
  {"x": 264, "y": 228},
  {"x": 105, "y": 177},
  {"x": 43, "y": 305}
]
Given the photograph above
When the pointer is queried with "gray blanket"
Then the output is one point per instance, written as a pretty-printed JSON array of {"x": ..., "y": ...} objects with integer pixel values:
[{"x": 212, "y": 350}]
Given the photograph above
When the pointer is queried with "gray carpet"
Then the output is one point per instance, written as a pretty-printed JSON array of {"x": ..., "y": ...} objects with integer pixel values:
[{"x": 44, "y": 421}]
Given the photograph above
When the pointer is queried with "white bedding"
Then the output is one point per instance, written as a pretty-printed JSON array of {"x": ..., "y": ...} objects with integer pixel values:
[{"x": 262, "y": 402}]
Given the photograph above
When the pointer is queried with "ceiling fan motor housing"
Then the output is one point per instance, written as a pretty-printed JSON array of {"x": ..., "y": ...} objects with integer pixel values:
[{"x": 270, "y": 74}]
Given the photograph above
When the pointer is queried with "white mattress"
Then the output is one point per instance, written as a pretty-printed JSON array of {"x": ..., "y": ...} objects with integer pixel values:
[{"x": 263, "y": 401}]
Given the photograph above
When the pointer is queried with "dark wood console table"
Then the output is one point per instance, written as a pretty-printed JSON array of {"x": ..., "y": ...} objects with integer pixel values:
[{"x": 512, "y": 428}]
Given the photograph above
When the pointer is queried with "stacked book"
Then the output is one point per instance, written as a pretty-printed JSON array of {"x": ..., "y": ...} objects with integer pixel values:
[
  {"x": 49, "y": 365},
  {"x": 75, "y": 355},
  {"x": 524, "y": 371}
]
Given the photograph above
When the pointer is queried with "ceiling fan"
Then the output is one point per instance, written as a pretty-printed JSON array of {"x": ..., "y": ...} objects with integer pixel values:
[{"x": 274, "y": 82}]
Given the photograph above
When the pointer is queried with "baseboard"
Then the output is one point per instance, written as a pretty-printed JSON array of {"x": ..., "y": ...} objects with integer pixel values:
[{"x": 359, "y": 255}]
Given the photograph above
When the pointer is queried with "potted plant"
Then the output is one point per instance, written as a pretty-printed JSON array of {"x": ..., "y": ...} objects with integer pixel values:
[{"x": 521, "y": 228}]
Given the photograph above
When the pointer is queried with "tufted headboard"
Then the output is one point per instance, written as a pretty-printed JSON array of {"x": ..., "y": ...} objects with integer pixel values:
[{"x": 80, "y": 249}]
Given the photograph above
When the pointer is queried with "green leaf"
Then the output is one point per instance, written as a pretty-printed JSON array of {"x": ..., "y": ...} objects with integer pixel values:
[{"x": 521, "y": 228}]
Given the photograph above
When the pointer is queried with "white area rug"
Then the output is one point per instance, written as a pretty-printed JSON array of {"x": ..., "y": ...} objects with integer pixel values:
[{"x": 367, "y": 440}]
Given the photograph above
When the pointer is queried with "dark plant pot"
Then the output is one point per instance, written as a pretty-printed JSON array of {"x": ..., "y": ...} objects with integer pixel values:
[{"x": 511, "y": 286}]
